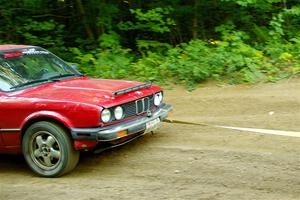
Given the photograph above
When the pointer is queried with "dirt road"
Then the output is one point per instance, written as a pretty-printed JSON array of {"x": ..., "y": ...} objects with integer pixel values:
[{"x": 184, "y": 161}]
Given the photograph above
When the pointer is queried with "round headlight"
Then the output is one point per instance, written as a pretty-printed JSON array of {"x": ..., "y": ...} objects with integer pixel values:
[
  {"x": 160, "y": 95},
  {"x": 158, "y": 98},
  {"x": 105, "y": 115},
  {"x": 118, "y": 113}
]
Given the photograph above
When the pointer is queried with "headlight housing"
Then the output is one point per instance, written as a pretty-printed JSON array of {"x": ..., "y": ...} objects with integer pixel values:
[
  {"x": 118, "y": 112},
  {"x": 105, "y": 115},
  {"x": 158, "y": 98}
]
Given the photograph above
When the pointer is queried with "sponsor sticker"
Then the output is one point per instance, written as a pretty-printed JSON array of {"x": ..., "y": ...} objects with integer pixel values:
[{"x": 33, "y": 51}]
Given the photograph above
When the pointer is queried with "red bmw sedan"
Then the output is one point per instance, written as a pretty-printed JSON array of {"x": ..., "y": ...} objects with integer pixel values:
[{"x": 50, "y": 112}]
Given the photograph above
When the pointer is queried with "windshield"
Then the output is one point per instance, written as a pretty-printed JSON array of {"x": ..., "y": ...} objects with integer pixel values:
[{"x": 25, "y": 67}]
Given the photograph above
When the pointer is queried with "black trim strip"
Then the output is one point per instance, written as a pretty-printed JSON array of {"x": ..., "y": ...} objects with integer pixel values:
[
  {"x": 127, "y": 90},
  {"x": 10, "y": 130}
]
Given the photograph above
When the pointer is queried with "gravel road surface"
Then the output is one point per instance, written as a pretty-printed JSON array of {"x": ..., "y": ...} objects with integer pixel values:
[{"x": 184, "y": 161}]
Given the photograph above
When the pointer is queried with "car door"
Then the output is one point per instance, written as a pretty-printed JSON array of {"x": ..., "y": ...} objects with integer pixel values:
[
  {"x": 9, "y": 110},
  {"x": 1, "y": 139},
  {"x": 9, "y": 133},
  {"x": 2, "y": 148}
]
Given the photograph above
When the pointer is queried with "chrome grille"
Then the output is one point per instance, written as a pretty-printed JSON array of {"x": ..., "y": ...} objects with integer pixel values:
[
  {"x": 129, "y": 109},
  {"x": 142, "y": 105}
]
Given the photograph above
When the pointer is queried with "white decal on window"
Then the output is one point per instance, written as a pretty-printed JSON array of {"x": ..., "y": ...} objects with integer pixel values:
[{"x": 34, "y": 52}]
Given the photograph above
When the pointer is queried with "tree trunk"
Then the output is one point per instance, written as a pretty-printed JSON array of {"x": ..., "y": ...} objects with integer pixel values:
[
  {"x": 85, "y": 23},
  {"x": 195, "y": 20}
]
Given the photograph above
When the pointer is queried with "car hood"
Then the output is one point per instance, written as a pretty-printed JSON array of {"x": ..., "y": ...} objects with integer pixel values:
[{"x": 87, "y": 90}]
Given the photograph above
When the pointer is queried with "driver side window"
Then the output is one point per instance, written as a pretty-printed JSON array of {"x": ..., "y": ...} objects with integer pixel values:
[{"x": 8, "y": 77}]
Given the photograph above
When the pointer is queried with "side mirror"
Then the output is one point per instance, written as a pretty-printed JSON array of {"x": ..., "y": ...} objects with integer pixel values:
[{"x": 74, "y": 66}]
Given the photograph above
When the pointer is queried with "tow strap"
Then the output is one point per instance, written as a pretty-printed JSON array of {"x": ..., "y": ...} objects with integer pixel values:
[
  {"x": 254, "y": 130},
  {"x": 173, "y": 121}
]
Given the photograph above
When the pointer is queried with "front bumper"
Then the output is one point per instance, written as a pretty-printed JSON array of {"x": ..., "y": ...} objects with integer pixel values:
[{"x": 110, "y": 133}]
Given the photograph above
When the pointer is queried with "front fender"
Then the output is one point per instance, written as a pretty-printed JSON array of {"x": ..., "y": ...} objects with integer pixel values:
[{"x": 48, "y": 114}]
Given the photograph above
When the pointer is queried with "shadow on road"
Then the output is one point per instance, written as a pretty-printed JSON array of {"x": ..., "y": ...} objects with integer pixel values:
[{"x": 11, "y": 164}]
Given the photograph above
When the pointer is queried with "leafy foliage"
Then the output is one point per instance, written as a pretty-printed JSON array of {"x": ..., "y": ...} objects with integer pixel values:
[
  {"x": 186, "y": 42},
  {"x": 154, "y": 20}
]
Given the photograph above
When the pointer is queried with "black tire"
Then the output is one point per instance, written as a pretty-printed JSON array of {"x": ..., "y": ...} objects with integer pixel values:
[{"x": 48, "y": 149}]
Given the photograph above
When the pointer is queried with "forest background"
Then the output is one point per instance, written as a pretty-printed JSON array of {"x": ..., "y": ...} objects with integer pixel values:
[{"x": 177, "y": 41}]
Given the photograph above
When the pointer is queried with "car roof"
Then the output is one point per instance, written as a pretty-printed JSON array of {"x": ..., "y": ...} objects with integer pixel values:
[{"x": 13, "y": 46}]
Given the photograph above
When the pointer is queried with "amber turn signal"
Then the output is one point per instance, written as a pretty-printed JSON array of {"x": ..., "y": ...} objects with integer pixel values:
[{"x": 122, "y": 133}]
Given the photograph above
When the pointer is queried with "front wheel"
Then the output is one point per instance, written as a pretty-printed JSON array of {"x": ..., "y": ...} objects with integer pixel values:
[{"x": 48, "y": 149}]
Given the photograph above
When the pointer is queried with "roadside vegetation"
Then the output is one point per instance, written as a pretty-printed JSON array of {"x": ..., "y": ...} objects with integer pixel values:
[{"x": 185, "y": 42}]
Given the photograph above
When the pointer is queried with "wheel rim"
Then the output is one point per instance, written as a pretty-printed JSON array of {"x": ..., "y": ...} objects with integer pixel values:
[{"x": 45, "y": 150}]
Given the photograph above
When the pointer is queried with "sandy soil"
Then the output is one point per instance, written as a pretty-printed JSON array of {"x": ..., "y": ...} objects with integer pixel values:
[{"x": 184, "y": 161}]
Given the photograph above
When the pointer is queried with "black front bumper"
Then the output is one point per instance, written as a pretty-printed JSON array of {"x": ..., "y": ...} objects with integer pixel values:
[{"x": 110, "y": 133}]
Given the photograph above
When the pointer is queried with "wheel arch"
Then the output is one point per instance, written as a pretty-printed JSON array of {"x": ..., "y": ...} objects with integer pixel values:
[
  {"x": 63, "y": 164},
  {"x": 36, "y": 119}
]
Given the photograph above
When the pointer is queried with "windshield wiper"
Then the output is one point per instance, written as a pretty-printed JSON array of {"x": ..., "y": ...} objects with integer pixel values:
[
  {"x": 31, "y": 83},
  {"x": 63, "y": 75},
  {"x": 50, "y": 79}
]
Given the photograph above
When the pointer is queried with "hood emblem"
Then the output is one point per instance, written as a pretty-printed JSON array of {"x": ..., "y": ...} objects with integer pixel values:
[{"x": 139, "y": 92}]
